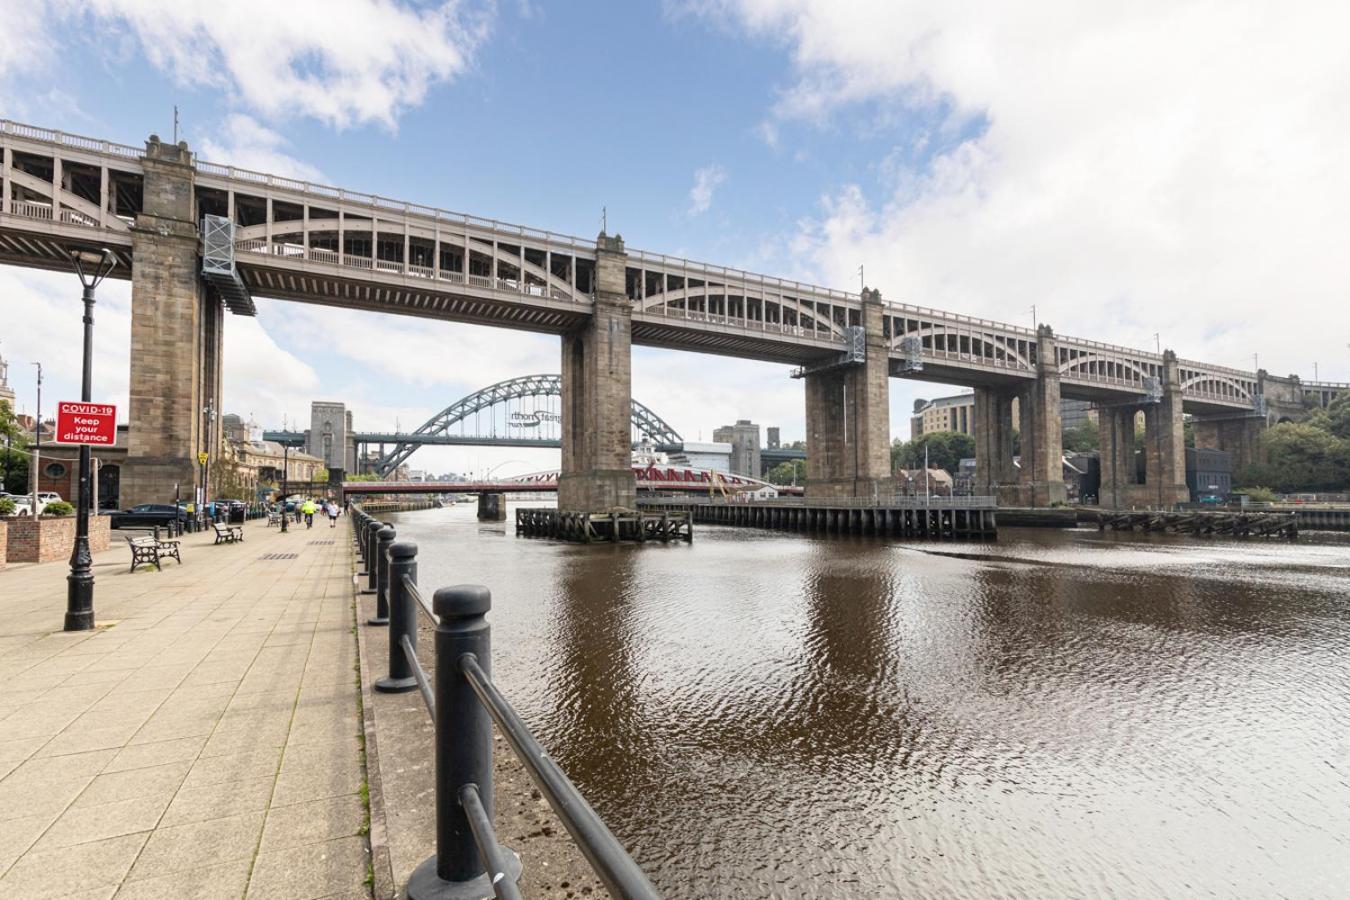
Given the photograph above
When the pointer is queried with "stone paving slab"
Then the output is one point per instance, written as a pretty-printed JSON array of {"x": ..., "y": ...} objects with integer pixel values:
[{"x": 203, "y": 742}]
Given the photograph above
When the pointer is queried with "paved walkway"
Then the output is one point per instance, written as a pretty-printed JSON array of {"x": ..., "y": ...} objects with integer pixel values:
[{"x": 202, "y": 743}]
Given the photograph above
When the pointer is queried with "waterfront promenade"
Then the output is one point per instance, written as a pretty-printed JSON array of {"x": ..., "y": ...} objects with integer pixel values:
[{"x": 204, "y": 742}]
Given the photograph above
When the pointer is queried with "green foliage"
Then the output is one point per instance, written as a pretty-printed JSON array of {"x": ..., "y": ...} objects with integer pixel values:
[
  {"x": 7, "y": 506},
  {"x": 795, "y": 445},
  {"x": 945, "y": 449},
  {"x": 1082, "y": 437},
  {"x": 793, "y": 471},
  {"x": 1259, "y": 494},
  {"x": 1300, "y": 456},
  {"x": 1337, "y": 416},
  {"x": 58, "y": 509},
  {"x": 228, "y": 482},
  {"x": 14, "y": 470},
  {"x": 320, "y": 474},
  {"x": 363, "y": 477},
  {"x": 9, "y": 427}
]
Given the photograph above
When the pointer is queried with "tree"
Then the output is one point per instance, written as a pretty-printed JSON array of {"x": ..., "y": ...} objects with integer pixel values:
[
  {"x": 792, "y": 471},
  {"x": 945, "y": 449},
  {"x": 1300, "y": 456},
  {"x": 1337, "y": 416},
  {"x": 13, "y": 457},
  {"x": 320, "y": 474},
  {"x": 1082, "y": 437}
]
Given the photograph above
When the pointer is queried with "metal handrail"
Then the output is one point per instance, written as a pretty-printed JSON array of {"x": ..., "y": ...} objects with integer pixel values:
[
  {"x": 423, "y": 683},
  {"x": 411, "y": 587},
  {"x": 602, "y": 849},
  {"x": 494, "y": 861}
]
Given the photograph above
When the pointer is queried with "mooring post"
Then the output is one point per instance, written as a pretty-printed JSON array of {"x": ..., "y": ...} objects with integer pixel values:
[
  {"x": 402, "y": 618},
  {"x": 463, "y": 747},
  {"x": 384, "y": 540},
  {"x": 372, "y": 528}
]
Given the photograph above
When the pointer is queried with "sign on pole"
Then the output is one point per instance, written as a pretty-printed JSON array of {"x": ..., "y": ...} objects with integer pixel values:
[
  {"x": 201, "y": 458},
  {"x": 86, "y": 423}
]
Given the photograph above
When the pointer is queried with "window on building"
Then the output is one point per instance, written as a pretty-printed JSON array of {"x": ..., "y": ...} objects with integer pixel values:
[{"x": 54, "y": 470}]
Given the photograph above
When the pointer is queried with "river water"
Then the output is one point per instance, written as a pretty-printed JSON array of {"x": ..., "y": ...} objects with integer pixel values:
[{"x": 1058, "y": 714}]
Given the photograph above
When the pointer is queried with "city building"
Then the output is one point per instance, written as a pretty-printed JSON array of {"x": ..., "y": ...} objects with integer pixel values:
[
  {"x": 772, "y": 441},
  {"x": 713, "y": 456},
  {"x": 928, "y": 482},
  {"x": 1074, "y": 413},
  {"x": 956, "y": 413},
  {"x": 6, "y": 392},
  {"x": 329, "y": 436},
  {"x": 1209, "y": 473},
  {"x": 745, "y": 447}
]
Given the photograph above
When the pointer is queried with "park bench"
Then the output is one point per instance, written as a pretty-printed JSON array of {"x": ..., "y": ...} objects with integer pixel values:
[
  {"x": 228, "y": 534},
  {"x": 273, "y": 518},
  {"x": 148, "y": 549}
]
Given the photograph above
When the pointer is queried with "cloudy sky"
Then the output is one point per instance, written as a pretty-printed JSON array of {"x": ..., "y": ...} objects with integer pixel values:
[{"x": 1154, "y": 167}]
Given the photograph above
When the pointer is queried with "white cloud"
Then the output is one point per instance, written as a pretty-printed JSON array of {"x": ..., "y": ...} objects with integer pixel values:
[
  {"x": 1156, "y": 166},
  {"x": 348, "y": 63},
  {"x": 706, "y": 181},
  {"x": 245, "y": 143}
]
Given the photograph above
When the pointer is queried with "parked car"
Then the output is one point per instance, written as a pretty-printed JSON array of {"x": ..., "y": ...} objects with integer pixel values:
[
  {"x": 148, "y": 515},
  {"x": 23, "y": 503}
]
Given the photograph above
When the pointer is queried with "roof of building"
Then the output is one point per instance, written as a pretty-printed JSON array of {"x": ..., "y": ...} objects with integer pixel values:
[{"x": 954, "y": 400}]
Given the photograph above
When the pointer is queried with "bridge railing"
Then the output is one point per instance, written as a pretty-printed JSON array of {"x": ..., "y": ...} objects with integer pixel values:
[
  {"x": 463, "y": 703},
  {"x": 892, "y": 501},
  {"x": 75, "y": 141}
]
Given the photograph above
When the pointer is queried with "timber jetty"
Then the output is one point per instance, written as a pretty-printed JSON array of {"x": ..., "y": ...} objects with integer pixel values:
[
  {"x": 620, "y": 525},
  {"x": 903, "y": 516},
  {"x": 1240, "y": 524}
]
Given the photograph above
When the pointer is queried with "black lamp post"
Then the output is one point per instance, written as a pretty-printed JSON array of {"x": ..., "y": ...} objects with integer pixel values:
[
  {"x": 92, "y": 268},
  {"x": 285, "y": 466}
]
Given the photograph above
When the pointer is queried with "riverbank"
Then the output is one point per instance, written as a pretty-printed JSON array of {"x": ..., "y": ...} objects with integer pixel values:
[{"x": 400, "y": 757}]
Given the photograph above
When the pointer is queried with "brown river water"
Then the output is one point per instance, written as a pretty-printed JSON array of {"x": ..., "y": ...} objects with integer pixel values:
[{"x": 1057, "y": 714}]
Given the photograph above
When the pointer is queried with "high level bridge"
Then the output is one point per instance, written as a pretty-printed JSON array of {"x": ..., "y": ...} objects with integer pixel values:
[{"x": 197, "y": 238}]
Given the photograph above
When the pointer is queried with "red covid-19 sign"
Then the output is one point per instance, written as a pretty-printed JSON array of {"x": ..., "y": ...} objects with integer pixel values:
[{"x": 86, "y": 423}]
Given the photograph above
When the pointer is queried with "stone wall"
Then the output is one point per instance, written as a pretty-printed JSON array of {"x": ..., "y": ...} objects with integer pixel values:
[
  {"x": 4, "y": 542},
  {"x": 47, "y": 539}
]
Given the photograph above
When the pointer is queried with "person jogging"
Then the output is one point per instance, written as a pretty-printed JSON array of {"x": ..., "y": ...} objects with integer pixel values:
[
  {"x": 309, "y": 509},
  {"x": 332, "y": 509}
]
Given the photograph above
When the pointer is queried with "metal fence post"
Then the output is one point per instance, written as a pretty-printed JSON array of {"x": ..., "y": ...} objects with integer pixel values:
[
  {"x": 402, "y": 619},
  {"x": 371, "y": 528},
  {"x": 383, "y": 539},
  {"x": 359, "y": 522},
  {"x": 463, "y": 749}
]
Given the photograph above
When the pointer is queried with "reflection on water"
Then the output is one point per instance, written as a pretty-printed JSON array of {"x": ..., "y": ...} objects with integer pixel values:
[{"x": 1056, "y": 714}]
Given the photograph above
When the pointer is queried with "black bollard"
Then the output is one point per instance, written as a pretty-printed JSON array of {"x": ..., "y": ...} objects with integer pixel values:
[
  {"x": 359, "y": 522},
  {"x": 463, "y": 749},
  {"x": 384, "y": 539},
  {"x": 402, "y": 619},
  {"x": 372, "y": 527}
]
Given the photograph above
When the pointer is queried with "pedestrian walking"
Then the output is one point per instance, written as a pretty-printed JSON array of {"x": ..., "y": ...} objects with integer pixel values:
[{"x": 332, "y": 514}]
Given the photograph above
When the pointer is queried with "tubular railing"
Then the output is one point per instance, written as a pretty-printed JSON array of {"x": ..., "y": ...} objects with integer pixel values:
[
  {"x": 463, "y": 703},
  {"x": 892, "y": 501}
]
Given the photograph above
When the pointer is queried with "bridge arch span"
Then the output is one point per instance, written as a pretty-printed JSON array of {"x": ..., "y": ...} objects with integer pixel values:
[{"x": 647, "y": 423}]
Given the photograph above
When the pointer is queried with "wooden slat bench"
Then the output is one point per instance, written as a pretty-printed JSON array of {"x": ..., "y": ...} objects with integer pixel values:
[
  {"x": 228, "y": 534},
  {"x": 148, "y": 550}
]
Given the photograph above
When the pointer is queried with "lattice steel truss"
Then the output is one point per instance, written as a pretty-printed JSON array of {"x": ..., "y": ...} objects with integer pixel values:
[{"x": 651, "y": 426}]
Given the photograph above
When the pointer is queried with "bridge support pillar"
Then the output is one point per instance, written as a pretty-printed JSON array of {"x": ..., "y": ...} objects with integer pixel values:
[
  {"x": 597, "y": 467},
  {"x": 995, "y": 475},
  {"x": 492, "y": 507},
  {"x": 1164, "y": 441},
  {"x": 1040, "y": 481},
  {"x": 848, "y": 419},
  {"x": 175, "y": 391},
  {"x": 1162, "y": 480},
  {"x": 1239, "y": 435}
]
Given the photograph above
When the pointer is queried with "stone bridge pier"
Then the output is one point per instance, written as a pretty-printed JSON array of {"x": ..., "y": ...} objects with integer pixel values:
[
  {"x": 1037, "y": 477},
  {"x": 597, "y": 469},
  {"x": 848, "y": 419},
  {"x": 176, "y": 326},
  {"x": 1163, "y": 481}
]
